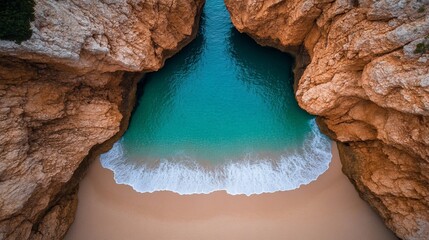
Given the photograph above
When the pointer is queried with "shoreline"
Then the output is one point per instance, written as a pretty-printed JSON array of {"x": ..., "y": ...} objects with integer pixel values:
[
  {"x": 252, "y": 173},
  {"x": 328, "y": 208}
]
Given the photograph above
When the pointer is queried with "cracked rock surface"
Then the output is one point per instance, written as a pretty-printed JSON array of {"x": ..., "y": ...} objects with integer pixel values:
[
  {"x": 66, "y": 95},
  {"x": 359, "y": 71}
]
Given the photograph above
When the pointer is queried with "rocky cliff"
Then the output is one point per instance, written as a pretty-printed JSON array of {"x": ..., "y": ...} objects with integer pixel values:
[
  {"x": 66, "y": 96},
  {"x": 363, "y": 68}
]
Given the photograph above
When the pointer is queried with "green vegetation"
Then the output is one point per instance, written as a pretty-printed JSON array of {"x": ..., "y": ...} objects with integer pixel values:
[
  {"x": 421, "y": 48},
  {"x": 15, "y": 18},
  {"x": 421, "y": 9}
]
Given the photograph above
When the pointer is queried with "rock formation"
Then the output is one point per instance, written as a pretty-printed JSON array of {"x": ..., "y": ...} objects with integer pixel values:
[
  {"x": 66, "y": 95},
  {"x": 363, "y": 68}
]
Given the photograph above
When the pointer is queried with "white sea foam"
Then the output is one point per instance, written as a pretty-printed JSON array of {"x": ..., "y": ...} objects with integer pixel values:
[{"x": 248, "y": 176}]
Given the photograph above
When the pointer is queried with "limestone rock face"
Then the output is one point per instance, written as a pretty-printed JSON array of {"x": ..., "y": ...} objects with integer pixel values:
[
  {"x": 66, "y": 95},
  {"x": 120, "y": 35},
  {"x": 368, "y": 85}
]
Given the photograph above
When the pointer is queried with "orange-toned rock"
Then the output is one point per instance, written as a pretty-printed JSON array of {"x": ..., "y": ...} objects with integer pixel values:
[
  {"x": 66, "y": 95},
  {"x": 369, "y": 87}
]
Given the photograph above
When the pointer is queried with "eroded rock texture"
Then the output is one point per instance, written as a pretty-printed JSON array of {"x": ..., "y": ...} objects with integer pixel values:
[
  {"x": 368, "y": 85},
  {"x": 66, "y": 95}
]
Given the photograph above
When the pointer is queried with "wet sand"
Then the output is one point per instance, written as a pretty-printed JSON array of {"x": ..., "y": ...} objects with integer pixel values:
[{"x": 328, "y": 208}]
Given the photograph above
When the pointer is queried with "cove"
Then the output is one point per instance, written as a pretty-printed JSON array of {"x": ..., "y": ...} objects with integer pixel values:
[{"x": 220, "y": 115}]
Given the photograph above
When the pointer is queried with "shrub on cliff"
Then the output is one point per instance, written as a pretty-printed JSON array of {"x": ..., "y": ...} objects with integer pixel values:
[
  {"x": 15, "y": 18},
  {"x": 422, "y": 47}
]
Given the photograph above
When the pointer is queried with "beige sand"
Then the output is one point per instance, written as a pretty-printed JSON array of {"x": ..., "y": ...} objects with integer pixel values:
[{"x": 328, "y": 208}]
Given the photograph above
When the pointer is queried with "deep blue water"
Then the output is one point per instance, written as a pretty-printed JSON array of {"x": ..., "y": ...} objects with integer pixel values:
[{"x": 220, "y": 115}]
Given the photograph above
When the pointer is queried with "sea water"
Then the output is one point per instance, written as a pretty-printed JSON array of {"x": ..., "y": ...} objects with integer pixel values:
[{"x": 220, "y": 115}]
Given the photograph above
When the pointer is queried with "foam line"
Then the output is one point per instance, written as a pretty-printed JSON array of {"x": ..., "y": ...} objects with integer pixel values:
[{"x": 248, "y": 176}]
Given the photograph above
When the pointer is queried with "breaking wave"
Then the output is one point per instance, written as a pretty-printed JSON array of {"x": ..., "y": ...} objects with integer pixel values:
[{"x": 250, "y": 175}]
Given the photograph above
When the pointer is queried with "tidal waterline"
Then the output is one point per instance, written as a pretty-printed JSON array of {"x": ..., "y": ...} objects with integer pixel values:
[{"x": 220, "y": 115}]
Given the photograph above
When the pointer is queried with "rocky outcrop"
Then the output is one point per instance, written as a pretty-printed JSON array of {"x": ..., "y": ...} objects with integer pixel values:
[
  {"x": 366, "y": 76},
  {"x": 66, "y": 95}
]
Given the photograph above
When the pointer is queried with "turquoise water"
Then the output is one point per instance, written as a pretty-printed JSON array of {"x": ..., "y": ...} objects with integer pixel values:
[{"x": 223, "y": 107}]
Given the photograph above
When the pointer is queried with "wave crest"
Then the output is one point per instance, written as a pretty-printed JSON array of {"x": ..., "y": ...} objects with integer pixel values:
[{"x": 248, "y": 176}]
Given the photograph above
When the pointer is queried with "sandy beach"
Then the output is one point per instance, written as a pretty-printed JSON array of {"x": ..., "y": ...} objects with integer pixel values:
[{"x": 328, "y": 208}]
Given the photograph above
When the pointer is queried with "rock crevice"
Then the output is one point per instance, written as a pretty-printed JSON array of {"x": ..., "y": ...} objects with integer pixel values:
[{"x": 67, "y": 92}]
